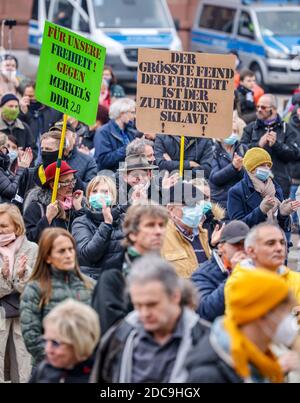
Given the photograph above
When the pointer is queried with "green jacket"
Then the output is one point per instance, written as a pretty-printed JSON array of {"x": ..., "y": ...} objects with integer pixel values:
[{"x": 64, "y": 285}]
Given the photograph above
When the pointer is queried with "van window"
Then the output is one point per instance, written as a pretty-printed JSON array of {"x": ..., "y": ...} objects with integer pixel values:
[
  {"x": 130, "y": 14},
  {"x": 217, "y": 18},
  {"x": 279, "y": 22},
  {"x": 246, "y": 27},
  {"x": 79, "y": 23},
  {"x": 63, "y": 13}
]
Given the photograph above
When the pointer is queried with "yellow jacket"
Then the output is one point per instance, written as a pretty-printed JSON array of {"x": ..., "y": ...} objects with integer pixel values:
[
  {"x": 179, "y": 252},
  {"x": 291, "y": 277}
]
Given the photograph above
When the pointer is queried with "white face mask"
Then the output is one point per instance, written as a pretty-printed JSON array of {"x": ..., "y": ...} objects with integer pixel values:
[{"x": 286, "y": 331}]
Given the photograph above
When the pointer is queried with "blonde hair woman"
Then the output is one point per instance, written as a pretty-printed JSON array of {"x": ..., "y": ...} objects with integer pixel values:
[
  {"x": 71, "y": 335},
  {"x": 98, "y": 233},
  {"x": 55, "y": 277},
  {"x": 17, "y": 257}
]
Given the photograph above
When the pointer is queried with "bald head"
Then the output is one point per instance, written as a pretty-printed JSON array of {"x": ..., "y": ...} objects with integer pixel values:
[{"x": 267, "y": 107}]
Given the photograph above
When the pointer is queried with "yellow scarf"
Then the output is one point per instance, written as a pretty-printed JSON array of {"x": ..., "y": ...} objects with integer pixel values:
[{"x": 244, "y": 352}]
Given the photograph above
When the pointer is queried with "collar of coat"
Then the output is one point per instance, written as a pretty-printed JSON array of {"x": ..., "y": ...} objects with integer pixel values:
[{"x": 17, "y": 124}]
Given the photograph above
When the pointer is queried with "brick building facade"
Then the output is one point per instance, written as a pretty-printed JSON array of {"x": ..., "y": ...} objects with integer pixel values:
[{"x": 183, "y": 10}]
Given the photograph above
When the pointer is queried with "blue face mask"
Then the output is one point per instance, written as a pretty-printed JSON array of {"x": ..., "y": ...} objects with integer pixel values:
[
  {"x": 12, "y": 155},
  {"x": 262, "y": 174},
  {"x": 231, "y": 140},
  {"x": 192, "y": 216},
  {"x": 96, "y": 200},
  {"x": 206, "y": 206}
]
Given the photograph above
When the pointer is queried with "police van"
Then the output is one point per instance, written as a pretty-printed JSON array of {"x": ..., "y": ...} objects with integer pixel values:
[
  {"x": 266, "y": 35},
  {"x": 122, "y": 26}
]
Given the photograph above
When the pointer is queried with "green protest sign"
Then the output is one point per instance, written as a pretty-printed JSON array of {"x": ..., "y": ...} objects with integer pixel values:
[{"x": 70, "y": 73}]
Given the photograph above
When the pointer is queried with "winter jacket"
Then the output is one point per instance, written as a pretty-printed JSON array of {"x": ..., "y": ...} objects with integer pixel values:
[
  {"x": 294, "y": 167},
  {"x": 40, "y": 118},
  {"x": 110, "y": 145},
  {"x": 8, "y": 182},
  {"x": 22, "y": 133},
  {"x": 98, "y": 244},
  {"x": 244, "y": 201},
  {"x": 245, "y": 104},
  {"x": 285, "y": 149},
  {"x": 64, "y": 284},
  {"x": 196, "y": 149},
  {"x": 35, "y": 214},
  {"x": 207, "y": 362},
  {"x": 213, "y": 217},
  {"x": 85, "y": 165},
  {"x": 223, "y": 174},
  {"x": 46, "y": 373},
  {"x": 179, "y": 252},
  {"x": 14, "y": 285},
  {"x": 114, "y": 355},
  {"x": 116, "y": 91},
  {"x": 33, "y": 177},
  {"x": 209, "y": 280}
]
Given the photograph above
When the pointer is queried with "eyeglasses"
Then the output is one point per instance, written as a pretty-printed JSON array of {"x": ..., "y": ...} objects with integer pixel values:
[
  {"x": 263, "y": 107},
  {"x": 67, "y": 183}
]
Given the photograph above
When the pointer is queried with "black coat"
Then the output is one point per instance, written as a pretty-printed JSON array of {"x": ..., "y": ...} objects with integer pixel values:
[
  {"x": 46, "y": 373},
  {"x": 8, "y": 182},
  {"x": 22, "y": 133},
  {"x": 40, "y": 120},
  {"x": 99, "y": 244},
  {"x": 223, "y": 174},
  {"x": 35, "y": 214},
  {"x": 196, "y": 149},
  {"x": 285, "y": 149},
  {"x": 245, "y": 104},
  {"x": 295, "y": 166},
  {"x": 205, "y": 366},
  {"x": 110, "y": 299}
]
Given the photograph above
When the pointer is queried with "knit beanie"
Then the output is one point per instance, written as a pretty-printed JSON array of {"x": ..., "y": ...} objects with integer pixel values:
[{"x": 255, "y": 157}]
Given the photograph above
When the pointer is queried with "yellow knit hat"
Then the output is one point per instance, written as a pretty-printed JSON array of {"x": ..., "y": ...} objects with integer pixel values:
[
  {"x": 255, "y": 157},
  {"x": 250, "y": 294}
]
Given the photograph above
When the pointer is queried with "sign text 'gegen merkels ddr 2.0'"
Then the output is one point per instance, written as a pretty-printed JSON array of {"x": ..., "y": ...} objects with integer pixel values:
[
  {"x": 70, "y": 73},
  {"x": 185, "y": 93}
]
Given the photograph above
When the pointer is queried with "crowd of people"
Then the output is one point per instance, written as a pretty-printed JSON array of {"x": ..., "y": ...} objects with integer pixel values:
[{"x": 135, "y": 274}]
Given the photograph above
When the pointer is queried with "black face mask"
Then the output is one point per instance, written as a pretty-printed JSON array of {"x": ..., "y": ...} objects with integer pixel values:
[
  {"x": 4, "y": 161},
  {"x": 35, "y": 106},
  {"x": 48, "y": 157}
]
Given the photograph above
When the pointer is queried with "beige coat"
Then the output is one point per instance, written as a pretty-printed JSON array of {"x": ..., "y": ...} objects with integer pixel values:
[{"x": 178, "y": 251}]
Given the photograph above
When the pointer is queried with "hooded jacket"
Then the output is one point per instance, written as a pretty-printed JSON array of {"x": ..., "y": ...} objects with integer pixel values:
[
  {"x": 8, "y": 182},
  {"x": 113, "y": 361}
]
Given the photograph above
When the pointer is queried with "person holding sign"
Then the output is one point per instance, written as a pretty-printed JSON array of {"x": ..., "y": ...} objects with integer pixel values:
[
  {"x": 198, "y": 154},
  {"x": 40, "y": 213}
]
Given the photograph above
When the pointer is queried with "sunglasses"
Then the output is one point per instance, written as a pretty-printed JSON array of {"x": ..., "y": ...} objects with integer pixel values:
[
  {"x": 67, "y": 183},
  {"x": 263, "y": 107}
]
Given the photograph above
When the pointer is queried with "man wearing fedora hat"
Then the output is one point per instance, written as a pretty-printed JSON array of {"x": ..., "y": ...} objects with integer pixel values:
[{"x": 137, "y": 178}]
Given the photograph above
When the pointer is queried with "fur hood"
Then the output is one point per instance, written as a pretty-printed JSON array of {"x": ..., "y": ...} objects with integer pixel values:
[
  {"x": 218, "y": 212},
  {"x": 38, "y": 194}
]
